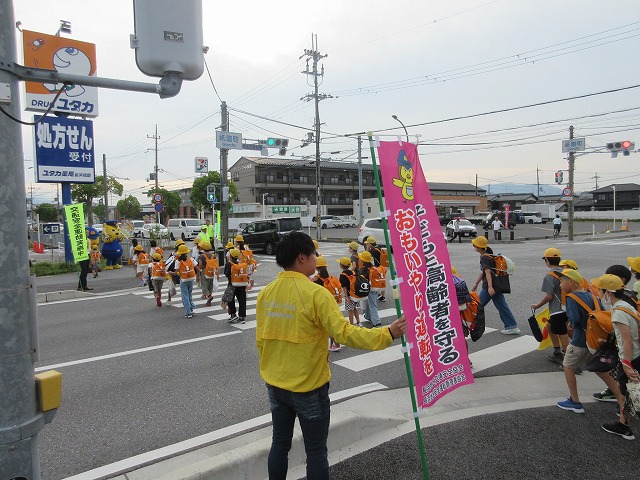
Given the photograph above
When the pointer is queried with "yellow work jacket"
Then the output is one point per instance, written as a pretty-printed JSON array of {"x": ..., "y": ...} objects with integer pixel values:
[{"x": 294, "y": 319}]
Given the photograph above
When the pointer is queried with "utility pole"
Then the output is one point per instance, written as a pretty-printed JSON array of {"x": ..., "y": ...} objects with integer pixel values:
[
  {"x": 538, "y": 179},
  {"x": 105, "y": 184},
  {"x": 360, "y": 194},
  {"x": 596, "y": 177},
  {"x": 224, "y": 157},
  {"x": 476, "y": 185},
  {"x": 315, "y": 55},
  {"x": 155, "y": 170},
  {"x": 572, "y": 164},
  {"x": 20, "y": 415}
]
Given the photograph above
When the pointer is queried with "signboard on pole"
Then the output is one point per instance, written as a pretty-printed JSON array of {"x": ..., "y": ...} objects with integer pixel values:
[
  {"x": 64, "y": 150},
  {"x": 438, "y": 355},
  {"x": 202, "y": 165},
  {"x": 567, "y": 194},
  {"x": 229, "y": 140},
  {"x": 573, "y": 145},
  {"x": 66, "y": 56},
  {"x": 74, "y": 217}
]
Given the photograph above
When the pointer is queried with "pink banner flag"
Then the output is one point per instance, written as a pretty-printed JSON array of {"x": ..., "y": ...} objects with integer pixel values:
[{"x": 438, "y": 355}]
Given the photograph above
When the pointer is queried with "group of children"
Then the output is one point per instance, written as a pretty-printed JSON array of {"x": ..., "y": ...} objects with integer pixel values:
[{"x": 362, "y": 279}]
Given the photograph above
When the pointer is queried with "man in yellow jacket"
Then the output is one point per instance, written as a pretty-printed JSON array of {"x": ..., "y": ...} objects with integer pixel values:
[{"x": 294, "y": 319}]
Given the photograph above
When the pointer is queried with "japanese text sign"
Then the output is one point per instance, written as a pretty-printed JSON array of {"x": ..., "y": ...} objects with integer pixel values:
[
  {"x": 438, "y": 355},
  {"x": 64, "y": 150},
  {"x": 74, "y": 217},
  {"x": 63, "y": 55}
]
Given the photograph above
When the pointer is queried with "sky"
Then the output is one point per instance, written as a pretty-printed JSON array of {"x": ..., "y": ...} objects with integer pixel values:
[{"x": 430, "y": 63}]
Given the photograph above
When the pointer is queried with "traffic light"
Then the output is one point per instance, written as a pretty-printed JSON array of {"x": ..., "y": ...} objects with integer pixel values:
[
  {"x": 211, "y": 193},
  {"x": 624, "y": 146},
  {"x": 559, "y": 175},
  {"x": 280, "y": 143}
]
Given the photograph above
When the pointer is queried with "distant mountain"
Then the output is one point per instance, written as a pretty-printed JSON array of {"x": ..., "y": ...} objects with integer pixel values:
[{"x": 521, "y": 188}]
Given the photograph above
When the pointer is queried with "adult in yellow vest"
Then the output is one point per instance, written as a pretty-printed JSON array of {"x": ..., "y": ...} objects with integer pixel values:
[
  {"x": 210, "y": 230},
  {"x": 203, "y": 235}
]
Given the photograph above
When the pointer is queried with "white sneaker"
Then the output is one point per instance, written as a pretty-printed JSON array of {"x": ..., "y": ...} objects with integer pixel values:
[{"x": 510, "y": 331}]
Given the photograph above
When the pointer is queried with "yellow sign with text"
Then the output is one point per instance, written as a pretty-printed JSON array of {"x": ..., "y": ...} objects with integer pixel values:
[{"x": 74, "y": 217}]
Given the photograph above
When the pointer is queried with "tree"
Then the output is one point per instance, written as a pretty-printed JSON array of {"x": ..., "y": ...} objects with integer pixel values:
[
  {"x": 47, "y": 212},
  {"x": 86, "y": 192},
  {"x": 129, "y": 207},
  {"x": 199, "y": 191},
  {"x": 170, "y": 200},
  {"x": 99, "y": 210}
]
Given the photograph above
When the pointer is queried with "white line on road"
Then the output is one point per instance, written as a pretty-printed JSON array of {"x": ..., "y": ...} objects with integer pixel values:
[
  {"x": 361, "y": 362},
  {"x": 503, "y": 352},
  {"x": 154, "y": 456},
  {"x": 132, "y": 352}
]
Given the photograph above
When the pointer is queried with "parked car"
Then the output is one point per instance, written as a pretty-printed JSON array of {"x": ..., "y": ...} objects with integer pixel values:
[
  {"x": 478, "y": 217},
  {"x": 97, "y": 227},
  {"x": 326, "y": 221},
  {"x": 447, "y": 217},
  {"x": 533, "y": 217},
  {"x": 372, "y": 226},
  {"x": 154, "y": 230},
  {"x": 265, "y": 234},
  {"x": 137, "y": 227},
  {"x": 345, "y": 221},
  {"x": 184, "y": 228},
  {"x": 467, "y": 229}
]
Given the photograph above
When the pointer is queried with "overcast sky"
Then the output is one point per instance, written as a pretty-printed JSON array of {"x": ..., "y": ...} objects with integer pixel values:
[{"x": 424, "y": 61}]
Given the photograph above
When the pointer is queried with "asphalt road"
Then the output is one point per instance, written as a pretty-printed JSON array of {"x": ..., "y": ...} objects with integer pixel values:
[{"x": 137, "y": 377}]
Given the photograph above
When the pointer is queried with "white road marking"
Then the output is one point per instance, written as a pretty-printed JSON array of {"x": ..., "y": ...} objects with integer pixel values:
[
  {"x": 154, "y": 456},
  {"x": 503, "y": 352},
  {"x": 132, "y": 352},
  {"x": 364, "y": 361}
]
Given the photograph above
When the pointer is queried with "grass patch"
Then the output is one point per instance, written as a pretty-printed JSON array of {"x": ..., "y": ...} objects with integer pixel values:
[{"x": 41, "y": 269}]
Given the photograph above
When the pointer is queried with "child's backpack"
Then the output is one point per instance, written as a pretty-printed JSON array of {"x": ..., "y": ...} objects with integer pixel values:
[
  {"x": 384, "y": 257},
  {"x": 211, "y": 266},
  {"x": 333, "y": 285},
  {"x": 500, "y": 273},
  {"x": 239, "y": 274},
  {"x": 563, "y": 296},
  {"x": 359, "y": 286},
  {"x": 462, "y": 291},
  {"x": 143, "y": 258},
  {"x": 599, "y": 324},
  {"x": 377, "y": 279},
  {"x": 472, "y": 317},
  {"x": 502, "y": 265},
  {"x": 247, "y": 257}
]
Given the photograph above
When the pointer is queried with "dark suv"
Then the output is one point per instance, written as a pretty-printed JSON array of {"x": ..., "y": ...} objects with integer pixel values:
[{"x": 265, "y": 234}]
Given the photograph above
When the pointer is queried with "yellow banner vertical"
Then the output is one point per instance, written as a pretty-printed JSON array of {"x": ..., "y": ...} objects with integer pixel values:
[{"x": 74, "y": 217}]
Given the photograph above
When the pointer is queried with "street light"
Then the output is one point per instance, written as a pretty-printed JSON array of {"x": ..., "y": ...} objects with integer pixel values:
[{"x": 395, "y": 117}]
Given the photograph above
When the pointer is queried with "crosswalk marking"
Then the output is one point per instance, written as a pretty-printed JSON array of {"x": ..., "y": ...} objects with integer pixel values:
[{"x": 373, "y": 359}]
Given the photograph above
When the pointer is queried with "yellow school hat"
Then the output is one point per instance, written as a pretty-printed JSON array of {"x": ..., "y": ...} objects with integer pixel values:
[
  {"x": 235, "y": 253},
  {"x": 569, "y": 264},
  {"x": 572, "y": 274},
  {"x": 634, "y": 263},
  {"x": 353, "y": 245},
  {"x": 346, "y": 261},
  {"x": 551, "y": 253},
  {"x": 365, "y": 257},
  {"x": 480, "y": 242},
  {"x": 321, "y": 261},
  {"x": 609, "y": 282}
]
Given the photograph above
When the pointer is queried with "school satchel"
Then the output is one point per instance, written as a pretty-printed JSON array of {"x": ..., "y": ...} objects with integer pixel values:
[
  {"x": 211, "y": 266},
  {"x": 359, "y": 286},
  {"x": 605, "y": 358},
  {"x": 384, "y": 257},
  {"x": 333, "y": 285},
  {"x": 239, "y": 274},
  {"x": 499, "y": 274},
  {"x": 599, "y": 324},
  {"x": 377, "y": 278}
]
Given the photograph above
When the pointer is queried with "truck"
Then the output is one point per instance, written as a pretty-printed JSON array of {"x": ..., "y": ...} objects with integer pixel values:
[{"x": 547, "y": 210}]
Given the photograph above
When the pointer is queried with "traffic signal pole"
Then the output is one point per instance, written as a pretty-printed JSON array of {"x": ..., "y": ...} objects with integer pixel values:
[
  {"x": 20, "y": 420},
  {"x": 224, "y": 156}
]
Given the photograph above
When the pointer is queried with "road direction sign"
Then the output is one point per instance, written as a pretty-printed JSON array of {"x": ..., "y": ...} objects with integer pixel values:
[
  {"x": 228, "y": 140},
  {"x": 50, "y": 228},
  {"x": 573, "y": 145}
]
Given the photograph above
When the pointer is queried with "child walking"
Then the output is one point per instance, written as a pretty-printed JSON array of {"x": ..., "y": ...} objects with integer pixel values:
[
  {"x": 333, "y": 285},
  {"x": 142, "y": 264},
  {"x": 158, "y": 272},
  {"x": 350, "y": 305},
  {"x": 371, "y": 306},
  {"x": 187, "y": 270},
  {"x": 209, "y": 269},
  {"x": 238, "y": 276},
  {"x": 95, "y": 261}
]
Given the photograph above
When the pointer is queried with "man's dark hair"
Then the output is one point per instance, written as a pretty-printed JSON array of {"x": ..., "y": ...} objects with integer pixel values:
[
  {"x": 153, "y": 243},
  {"x": 292, "y": 245},
  {"x": 620, "y": 271}
]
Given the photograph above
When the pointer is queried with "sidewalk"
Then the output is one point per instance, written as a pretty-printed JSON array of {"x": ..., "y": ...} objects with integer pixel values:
[{"x": 383, "y": 421}]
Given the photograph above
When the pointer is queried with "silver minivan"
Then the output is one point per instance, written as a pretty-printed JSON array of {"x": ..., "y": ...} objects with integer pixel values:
[{"x": 184, "y": 228}]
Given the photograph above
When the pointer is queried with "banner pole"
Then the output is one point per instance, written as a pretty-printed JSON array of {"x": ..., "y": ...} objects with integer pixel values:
[{"x": 396, "y": 299}]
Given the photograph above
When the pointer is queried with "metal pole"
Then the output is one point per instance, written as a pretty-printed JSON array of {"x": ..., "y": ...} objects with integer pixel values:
[
  {"x": 224, "y": 156},
  {"x": 572, "y": 163},
  {"x": 614, "y": 207},
  {"x": 360, "y": 194},
  {"x": 316, "y": 54},
  {"x": 20, "y": 421},
  {"x": 405, "y": 128},
  {"x": 105, "y": 186}
]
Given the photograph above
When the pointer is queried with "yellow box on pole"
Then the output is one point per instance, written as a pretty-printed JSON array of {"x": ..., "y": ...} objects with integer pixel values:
[{"x": 49, "y": 388}]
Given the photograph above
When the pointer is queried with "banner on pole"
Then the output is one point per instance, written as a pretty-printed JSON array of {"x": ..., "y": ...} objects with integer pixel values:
[
  {"x": 439, "y": 357},
  {"x": 74, "y": 217}
]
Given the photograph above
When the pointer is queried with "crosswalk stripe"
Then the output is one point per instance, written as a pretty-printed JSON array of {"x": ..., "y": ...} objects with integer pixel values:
[{"x": 364, "y": 361}]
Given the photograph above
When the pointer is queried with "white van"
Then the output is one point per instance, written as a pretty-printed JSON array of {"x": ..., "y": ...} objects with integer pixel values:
[{"x": 184, "y": 228}]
